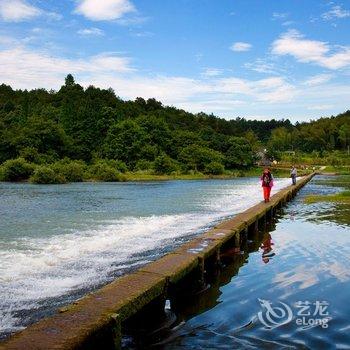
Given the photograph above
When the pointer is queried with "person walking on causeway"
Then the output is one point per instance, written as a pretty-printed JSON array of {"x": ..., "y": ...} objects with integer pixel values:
[
  {"x": 266, "y": 183},
  {"x": 293, "y": 175}
]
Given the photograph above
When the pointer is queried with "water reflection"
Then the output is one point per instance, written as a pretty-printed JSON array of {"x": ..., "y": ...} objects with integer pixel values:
[
  {"x": 266, "y": 246},
  {"x": 303, "y": 257},
  {"x": 327, "y": 212}
]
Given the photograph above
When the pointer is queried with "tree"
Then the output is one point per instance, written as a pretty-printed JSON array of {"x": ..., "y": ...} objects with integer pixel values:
[
  {"x": 69, "y": 80},
  {"x": 163, "y": 164},
  {"x": 87, "y": 124},
  {"x": 196, "y": 157},
  {"x": 253, "y": 140},
  {"x": 16, "y": 170},
  {"x": 280, "y": 139},
  {"x": 239, "y": 153},
  {"x": 125, "y": 141},
  {"x": 344, "y": 135}
]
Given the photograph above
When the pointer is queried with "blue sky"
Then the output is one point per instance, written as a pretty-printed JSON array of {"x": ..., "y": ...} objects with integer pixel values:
[{"x": 247, "y": 58}]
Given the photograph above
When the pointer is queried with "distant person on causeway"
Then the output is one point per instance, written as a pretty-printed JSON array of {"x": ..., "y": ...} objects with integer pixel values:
[{"x": 293, "y": 174}]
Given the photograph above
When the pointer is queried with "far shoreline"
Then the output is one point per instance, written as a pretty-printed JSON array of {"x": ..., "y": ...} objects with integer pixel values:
[{"x": 145, "y": 177}]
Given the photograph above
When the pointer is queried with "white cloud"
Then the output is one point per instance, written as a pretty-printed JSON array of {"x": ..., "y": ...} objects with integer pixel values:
[
  {"x": 318, "y": 79},
  {"x": 53, "y": 16},
  {"x": 279, "y": 15},
  {"x": 240, "y": 46},
  {"x": 212, "y": 72},
  {"x": 143, "y": 34},
  {"x": 25, "y": 68},
  {"x": 106, "y": 10},
  {"x": 273, "y": 96},
  {"x": 269, "y": 90},
  {"x": 261, "y": 66},
  {"x": 7, "y": 40},
  {"x": 91, "y": 32},
  {"x": 311, "y": 51},
  {"x": 335, "y": 12},
  {"x": 135, "y": 20},
  {"x": 287, "y": 23},
  {"x": 319, "y": 107},
  {"x": 275, "y": 89},
  {"x": 17, "y": 10}
]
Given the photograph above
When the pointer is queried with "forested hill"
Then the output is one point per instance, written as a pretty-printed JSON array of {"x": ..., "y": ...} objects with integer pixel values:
[{"x": 88, "y": 124}]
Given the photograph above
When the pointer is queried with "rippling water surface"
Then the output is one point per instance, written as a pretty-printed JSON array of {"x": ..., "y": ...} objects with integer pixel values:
[
  {"x": 59, "y": 241},
  {"x": 297, "y": 268}
]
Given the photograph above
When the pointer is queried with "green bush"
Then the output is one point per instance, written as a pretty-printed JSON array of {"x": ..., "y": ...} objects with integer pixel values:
[
  {"x": 102, "y": 171},
  {"x": 214, "y": 168},
  {"x": 163, "y": 164},
  {"x": 16, "y": 170},
  {"x": 196, "y": 157},
  {"x": 30, "y": 154},
  {"x": 71, "y": 170},
  {"x": 117, "y": 164},
  {"x": 144, "y": 165},
  {"x": 46, "y": 175}
]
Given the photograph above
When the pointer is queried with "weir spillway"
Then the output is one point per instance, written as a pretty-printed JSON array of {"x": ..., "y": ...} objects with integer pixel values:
[{"x": 97, "y": 320}]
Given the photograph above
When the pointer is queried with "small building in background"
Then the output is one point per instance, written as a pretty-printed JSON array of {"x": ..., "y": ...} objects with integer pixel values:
[{"x": 263, "y": 159}]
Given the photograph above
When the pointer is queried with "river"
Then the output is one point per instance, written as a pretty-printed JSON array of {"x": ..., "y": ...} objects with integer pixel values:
[{"x": 58, "y": 242}]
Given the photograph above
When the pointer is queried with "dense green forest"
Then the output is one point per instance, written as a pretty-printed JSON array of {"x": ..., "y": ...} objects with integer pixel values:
[{"x": 77, "y": 133}]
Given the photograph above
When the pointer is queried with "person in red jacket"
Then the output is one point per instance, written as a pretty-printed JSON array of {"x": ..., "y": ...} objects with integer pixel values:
[{"x": 266, "y": 183}]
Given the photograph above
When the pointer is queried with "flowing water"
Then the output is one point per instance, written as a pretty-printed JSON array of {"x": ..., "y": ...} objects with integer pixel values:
[
  {"x": 288, "y": 288},
  {"x": 57, "y": 242}
]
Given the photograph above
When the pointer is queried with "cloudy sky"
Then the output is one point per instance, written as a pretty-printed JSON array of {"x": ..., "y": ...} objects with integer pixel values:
[{"x": 249, "y": 58}]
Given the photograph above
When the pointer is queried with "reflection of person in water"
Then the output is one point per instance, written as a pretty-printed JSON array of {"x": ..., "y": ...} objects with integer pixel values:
[{"x": 266, "y": 246}]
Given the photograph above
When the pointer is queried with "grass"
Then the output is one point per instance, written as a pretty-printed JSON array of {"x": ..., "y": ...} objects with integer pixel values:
[
  {"x": 339, "y": 170},
  {"x": 147, "y": 175},
  {"x": 139, "y": 176},
  {"x": 342, "y": 197},
  {"x": 256, "y": 171}
]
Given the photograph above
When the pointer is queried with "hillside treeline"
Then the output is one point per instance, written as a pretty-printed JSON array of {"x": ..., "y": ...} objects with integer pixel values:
[{"x": 95, "y": 127}]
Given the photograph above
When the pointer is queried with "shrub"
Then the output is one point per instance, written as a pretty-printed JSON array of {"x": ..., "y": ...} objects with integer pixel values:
[
  {"x": 214, "y": 168},
  {"x": 16, "y": 170},
  {"x": 46, "y": 175},
  {"x": 30, "y": 154},
  {"x": 163, "y": 164},
  {"x": 144, "y": 165},
  {"x": 197, "y": 157},
  {"x": 102, "y": 171},
  {"x": 71, "y": 170},
  {"x": 118, "y": 165}
]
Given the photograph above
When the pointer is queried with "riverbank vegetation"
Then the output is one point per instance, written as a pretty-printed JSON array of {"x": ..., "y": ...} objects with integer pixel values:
[
  {"x": 342, "y": 196},
  {"x": 77, "y": 134}
]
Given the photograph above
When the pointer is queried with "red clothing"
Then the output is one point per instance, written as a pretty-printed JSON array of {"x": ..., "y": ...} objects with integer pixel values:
[
  {"x": 266, "y": 183},
  {"x": 267, "y": 191}
]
